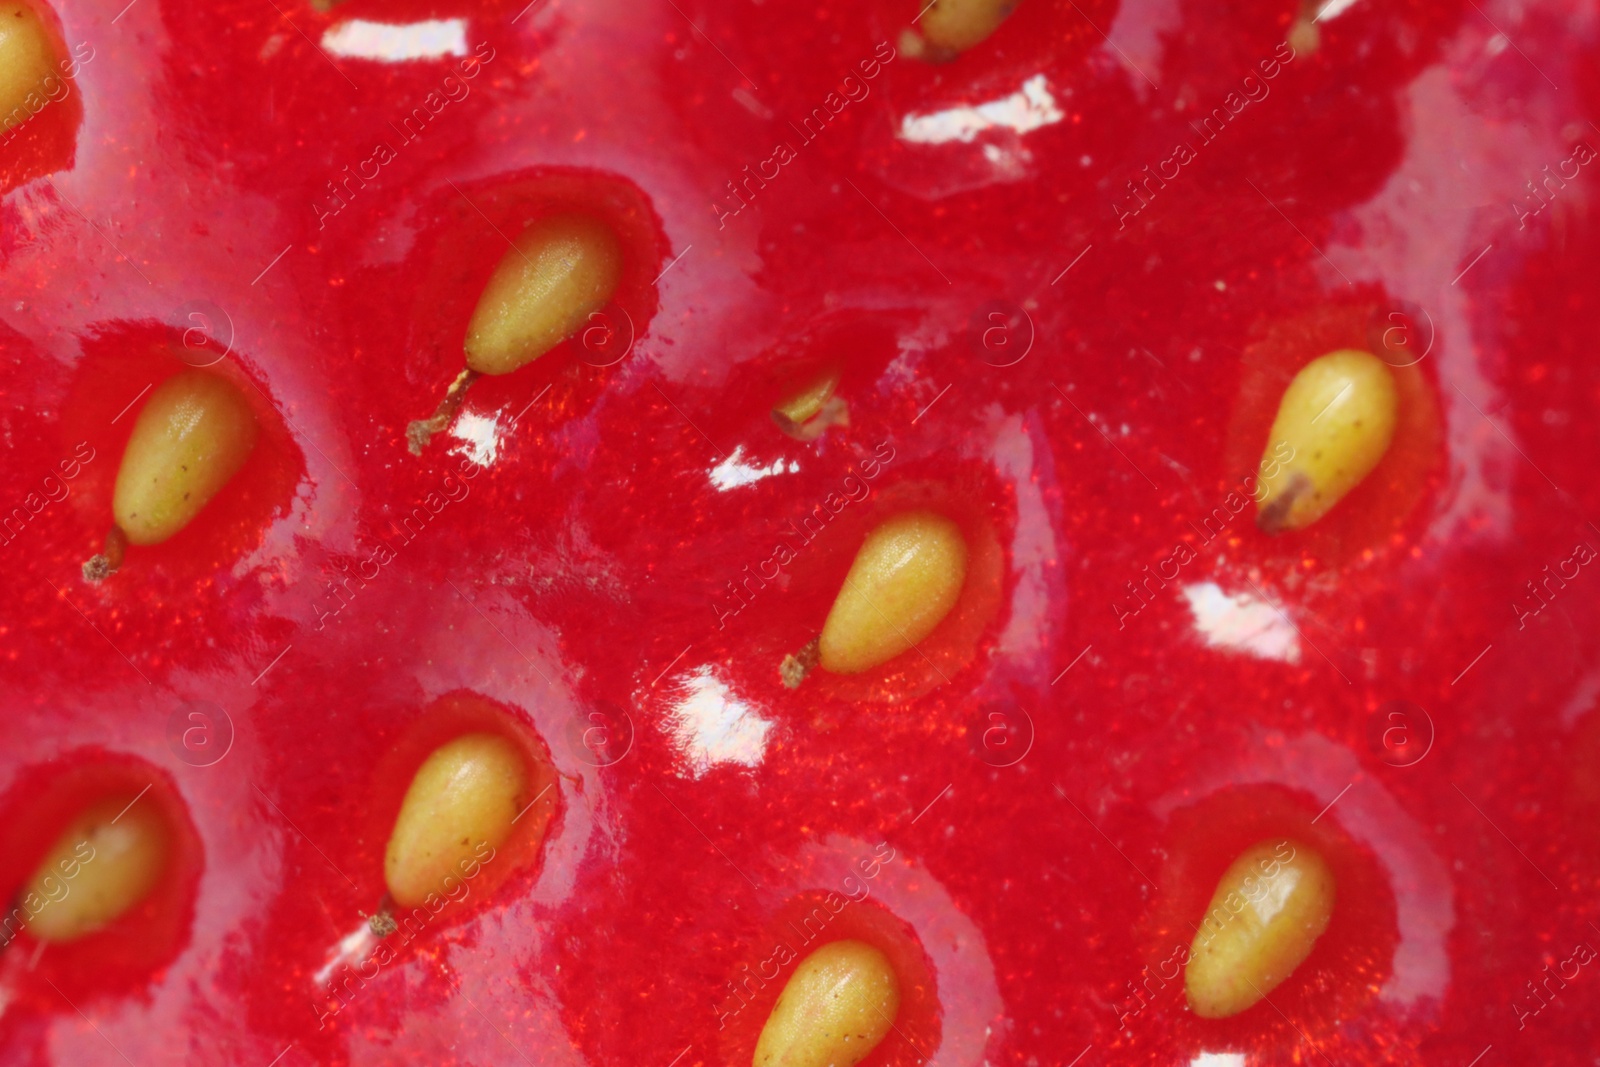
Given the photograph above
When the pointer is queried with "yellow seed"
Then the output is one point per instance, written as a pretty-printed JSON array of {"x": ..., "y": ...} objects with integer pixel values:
[
  {"x": 465, "y": 796},
  {"x": 1304, "y": 37},
  {"x": 957, "y": 25},
  {"x": 806, "y": 404},
  {"x": 107, "y": 860},
  {"x": 807, "y": 413},
  {"x": 27, "y": 58},
  {"x": 1334, "y": 424},
  {"x": 194, "y": 434},
  {"x": 561, "y": 270},
  {"x": 840, "y": 1002},
  {"x": 904, "y": 581},
  {"x": 1269, "y": 909}
]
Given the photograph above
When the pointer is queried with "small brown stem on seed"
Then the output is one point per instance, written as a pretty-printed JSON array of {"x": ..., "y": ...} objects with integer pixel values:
[
  {"x": 1273, "y": 518},
  {"x": 382, "y": 921},
  {"x": 104, "y": 564},
  {"x": 795, "y": 667},
  {"x": 420, "y": 432}
]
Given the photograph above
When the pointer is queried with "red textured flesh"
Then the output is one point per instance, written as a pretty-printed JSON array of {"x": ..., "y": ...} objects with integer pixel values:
[{"x": 581, "y": 563}]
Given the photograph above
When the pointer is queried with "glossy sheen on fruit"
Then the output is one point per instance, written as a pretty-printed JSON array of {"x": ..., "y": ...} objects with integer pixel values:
[
  {"x": 27, "y": 58},
  {"x": 1270, "y": 907},
  {"x": 1333, "y": 426},
  {"x": 105, "y": 862},
  {"x": 906, "y": 577},
  {"x": 559, "y": 272},
  {"x": 587, "y": 541},
  {"x": 839, "y": 1003},
  {"x": 465, "y": 795},
  {"x": 192, "y": 435}
]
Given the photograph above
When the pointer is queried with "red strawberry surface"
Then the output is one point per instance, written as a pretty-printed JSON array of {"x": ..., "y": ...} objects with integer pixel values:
[{"x": 1065, "y": 277}]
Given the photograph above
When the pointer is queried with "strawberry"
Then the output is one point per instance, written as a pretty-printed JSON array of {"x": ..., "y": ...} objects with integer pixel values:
[{"x": 995, "y": 314}]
